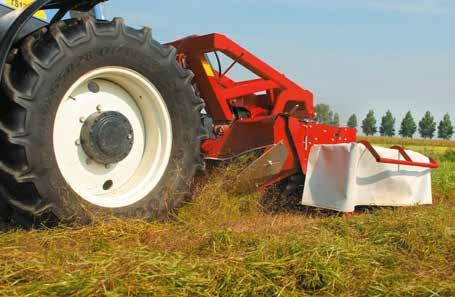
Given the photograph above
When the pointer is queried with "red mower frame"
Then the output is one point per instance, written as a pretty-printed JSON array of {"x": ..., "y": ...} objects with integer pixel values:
[{"x": 278, "y": 111}]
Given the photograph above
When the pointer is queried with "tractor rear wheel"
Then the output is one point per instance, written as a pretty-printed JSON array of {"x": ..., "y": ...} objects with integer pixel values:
[{"x": 96, "y": 118}]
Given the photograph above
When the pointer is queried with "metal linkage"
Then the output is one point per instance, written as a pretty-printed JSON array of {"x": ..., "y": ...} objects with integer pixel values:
[
  {"x": 221, "y": 93},
  {"x": 281, "y": 113},
  {"x": 433, "y": 164}
]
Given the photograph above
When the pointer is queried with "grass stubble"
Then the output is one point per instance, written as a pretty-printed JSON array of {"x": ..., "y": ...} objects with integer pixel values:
[{"x": 224, "y": 243}]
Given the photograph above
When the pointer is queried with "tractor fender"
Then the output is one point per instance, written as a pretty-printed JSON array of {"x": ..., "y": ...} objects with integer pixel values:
[{"x": 19, "y": 23}]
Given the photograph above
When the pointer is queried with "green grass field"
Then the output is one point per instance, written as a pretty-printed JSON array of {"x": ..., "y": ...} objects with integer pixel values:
[{"x": 224, "y": 244}]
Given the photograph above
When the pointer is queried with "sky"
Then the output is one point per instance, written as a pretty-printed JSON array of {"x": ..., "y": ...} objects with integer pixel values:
[{"x": 355, "y": 55}]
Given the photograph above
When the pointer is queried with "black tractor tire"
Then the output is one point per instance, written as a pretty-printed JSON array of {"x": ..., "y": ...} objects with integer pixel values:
[{"x": 39, "y": 71}]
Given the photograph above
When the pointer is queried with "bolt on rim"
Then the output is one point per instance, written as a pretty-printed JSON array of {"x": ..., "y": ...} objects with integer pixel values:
[{"x": 124, "y": 91}]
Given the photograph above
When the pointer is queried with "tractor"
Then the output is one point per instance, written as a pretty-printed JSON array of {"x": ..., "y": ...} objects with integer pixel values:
[{"x": 98, "y": 118}]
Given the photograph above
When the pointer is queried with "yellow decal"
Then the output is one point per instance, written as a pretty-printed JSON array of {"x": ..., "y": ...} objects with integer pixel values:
[
  {"x": 22, "y": 4},
  {"x": 208, "y": 69}
]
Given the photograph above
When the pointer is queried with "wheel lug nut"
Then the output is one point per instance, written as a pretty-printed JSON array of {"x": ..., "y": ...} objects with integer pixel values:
[
  {"x": 99, "y": 108},
  {"x": 78, "y": 142},
  {"x": 130, "y": 136},
  {"x": 108, "y": 166},
  {"x": 82, "y": 120},
  {"x": 93, "y": 87}
]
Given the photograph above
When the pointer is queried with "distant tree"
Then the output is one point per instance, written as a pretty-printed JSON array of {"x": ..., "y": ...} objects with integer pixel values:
[
  {"x": 427, "y": 126},
  {"x": 408, "y": 126},
  {"x": 369, "y": 124},
  {"x": 387, "y": 125},
  {"x": 352, "y": 121},
  {"x": 445, "y": 128},
  {"x": 324, "y": 114},
  {"x": 336, "y": 119}
]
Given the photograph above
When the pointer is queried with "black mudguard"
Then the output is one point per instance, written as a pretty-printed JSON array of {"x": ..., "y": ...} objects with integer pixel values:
[{"x": 19, "y": 23}]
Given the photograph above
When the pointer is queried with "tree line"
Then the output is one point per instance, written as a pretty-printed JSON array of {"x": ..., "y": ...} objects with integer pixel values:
[{"x": 427, "y": 126}]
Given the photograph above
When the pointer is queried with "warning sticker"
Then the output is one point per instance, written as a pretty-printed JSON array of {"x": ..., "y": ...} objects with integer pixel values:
[{"x": 22, "y": 4}]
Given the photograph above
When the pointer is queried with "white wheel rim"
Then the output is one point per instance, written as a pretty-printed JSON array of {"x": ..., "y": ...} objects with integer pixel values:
[{"x": 128, "y": 92}]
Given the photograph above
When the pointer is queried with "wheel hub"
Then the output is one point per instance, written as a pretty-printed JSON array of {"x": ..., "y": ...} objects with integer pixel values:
[
  {"x": 107, "y": 137},
  {"x": 94, "y": 164}
]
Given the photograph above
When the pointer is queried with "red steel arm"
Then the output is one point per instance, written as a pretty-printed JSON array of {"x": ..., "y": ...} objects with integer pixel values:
[
  {"x": 218, "y": 91},
  {"x": 407, "y": 159}
]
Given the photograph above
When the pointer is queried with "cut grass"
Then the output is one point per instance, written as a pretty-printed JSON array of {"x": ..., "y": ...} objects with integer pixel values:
[{"x": 224, "y": 244}]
